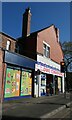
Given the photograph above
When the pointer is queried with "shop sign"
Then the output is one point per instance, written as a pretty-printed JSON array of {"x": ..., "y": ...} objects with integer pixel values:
[
  {"x": 47, "y": 69},
  {"x": 56, "y": 72}
]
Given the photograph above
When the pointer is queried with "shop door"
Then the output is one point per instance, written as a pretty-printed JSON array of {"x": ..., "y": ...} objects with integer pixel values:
[{"x": 49, "y": 84}]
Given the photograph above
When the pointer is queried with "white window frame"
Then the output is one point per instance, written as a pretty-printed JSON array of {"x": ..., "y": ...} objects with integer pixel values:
[
  {"x": 46, "y": 50},
  {"x": 8, "y": 45}
]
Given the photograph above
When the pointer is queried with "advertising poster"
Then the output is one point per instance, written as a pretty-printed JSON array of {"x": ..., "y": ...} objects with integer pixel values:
[
  {"x": 59, "y": 83},
  {"x": 26, "y": 83},
  {"x": 12, "y": 83},
  {"x": 43, "y": 84},
  {"x": 43, "y": 80}
]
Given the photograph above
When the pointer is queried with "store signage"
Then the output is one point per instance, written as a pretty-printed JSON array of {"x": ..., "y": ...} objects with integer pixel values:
[{"x": 47, "y": 69}]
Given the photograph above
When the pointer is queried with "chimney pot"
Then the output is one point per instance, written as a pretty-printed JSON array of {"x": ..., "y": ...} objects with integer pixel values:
[{"x": 26, "y": 23}]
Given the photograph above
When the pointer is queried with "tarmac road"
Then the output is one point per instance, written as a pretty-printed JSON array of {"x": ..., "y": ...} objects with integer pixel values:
[
  {"x": 65, "y": 113},
  {"x": 36, "y": 108}
]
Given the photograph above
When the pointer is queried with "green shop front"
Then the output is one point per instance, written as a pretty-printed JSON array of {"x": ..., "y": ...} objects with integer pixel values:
[{"x": 18, "y": 77}]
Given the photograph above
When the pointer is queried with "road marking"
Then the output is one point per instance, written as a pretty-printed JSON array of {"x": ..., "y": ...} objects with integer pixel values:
[{"x": 54, "y": 111}]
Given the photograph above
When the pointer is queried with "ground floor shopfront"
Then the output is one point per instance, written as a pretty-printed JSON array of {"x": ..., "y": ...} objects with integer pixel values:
[
  {"x": 20, "y": 80},
  {"x": 49, "y": 81},
  {"x": 18, "y": 76}
]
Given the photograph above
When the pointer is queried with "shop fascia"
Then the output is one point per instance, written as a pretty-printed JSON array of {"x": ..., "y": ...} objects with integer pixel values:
[{"x": 47, "y": 69}]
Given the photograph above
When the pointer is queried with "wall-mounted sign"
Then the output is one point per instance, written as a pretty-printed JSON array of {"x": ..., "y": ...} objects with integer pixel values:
[{"x": 47, "y": 69}]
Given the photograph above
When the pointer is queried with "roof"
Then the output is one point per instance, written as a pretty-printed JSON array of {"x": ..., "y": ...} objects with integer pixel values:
[
  {"x": 42, "y": 29},
  {"x": 7, "y": 36},
  {"x": 38, "y": 31}
]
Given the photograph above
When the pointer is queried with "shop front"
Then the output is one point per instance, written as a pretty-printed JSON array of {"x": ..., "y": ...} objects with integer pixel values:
[
  {"x": 51, "y": 80},
  {"x": 18, "y": 78},
  {"x": 58, "y": 84},
  {"x": 49, "y": 84}
]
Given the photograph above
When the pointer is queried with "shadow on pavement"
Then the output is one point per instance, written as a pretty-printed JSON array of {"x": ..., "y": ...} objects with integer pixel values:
[
  {"x": 28, "y": 118},
  {"x": 50, "y": 103},
  {"x": 18, "y": 118}
]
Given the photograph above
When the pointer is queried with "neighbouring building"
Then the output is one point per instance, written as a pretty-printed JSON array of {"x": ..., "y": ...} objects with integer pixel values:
[
  {"x": 44, "y": 47},
  {"x": 8, "y": 43},
  {"x": 16, "y": 71}
]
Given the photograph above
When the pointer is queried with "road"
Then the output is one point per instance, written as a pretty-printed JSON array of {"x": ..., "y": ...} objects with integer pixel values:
[
  {"x": 65, "y": 113},
  {"x": 37, "y": 108}
]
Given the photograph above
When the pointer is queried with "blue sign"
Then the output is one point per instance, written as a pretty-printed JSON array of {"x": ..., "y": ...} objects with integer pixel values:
[{"x": 17, "y": 59}]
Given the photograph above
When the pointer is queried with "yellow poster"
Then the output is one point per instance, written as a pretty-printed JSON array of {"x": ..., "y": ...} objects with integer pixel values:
[
  {"x": 26, "y": 83},
  {"x": 12, "y": 83},
  {"x": 59, "y": 83}
]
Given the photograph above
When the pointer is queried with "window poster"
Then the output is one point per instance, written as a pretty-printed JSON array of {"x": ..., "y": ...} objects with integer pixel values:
[
  {"x": 59, "y": 83},
  {"x": 43, "y": 84},
  {"x": 12, "y": 83},
  {"x": 43, "y": 79},
  {"x": 26, "y": 83}
]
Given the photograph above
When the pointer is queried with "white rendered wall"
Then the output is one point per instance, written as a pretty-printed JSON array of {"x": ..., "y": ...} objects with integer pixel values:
[
  {"x": 37, "y": 87},
  {"x": 51, "y": 63},
  {"x": 47, "y": 61}
]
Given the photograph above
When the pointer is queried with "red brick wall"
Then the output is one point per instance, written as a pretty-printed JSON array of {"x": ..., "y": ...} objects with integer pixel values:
[
  {"x": 49, "y": 36},
  {"x": 26, "y": 23},
  {"x": 1, "y": 69},
  {"x": 4, "y": 41},
  {"x": 4, "y": 76}
]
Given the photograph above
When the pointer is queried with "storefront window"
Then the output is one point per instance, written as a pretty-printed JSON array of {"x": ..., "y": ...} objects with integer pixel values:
[
  {"x": 12, "y": 83},
  {"x": 59, "y": 84},
  {"x": 26, "y": 83}
]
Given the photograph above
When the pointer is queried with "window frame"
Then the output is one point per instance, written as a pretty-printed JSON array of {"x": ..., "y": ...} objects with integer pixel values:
[
  {"x": 8, "y": 43},
  {"x": 46, "y": 49}
]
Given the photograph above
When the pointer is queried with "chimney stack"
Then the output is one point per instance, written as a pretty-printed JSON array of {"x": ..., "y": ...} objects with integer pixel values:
[{"x": 26, "y": 23}]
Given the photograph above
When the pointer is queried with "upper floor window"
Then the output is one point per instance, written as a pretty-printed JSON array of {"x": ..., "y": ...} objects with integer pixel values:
[
  {"x": 46, "y": 50},
  {"x": 8, "y": 45}
]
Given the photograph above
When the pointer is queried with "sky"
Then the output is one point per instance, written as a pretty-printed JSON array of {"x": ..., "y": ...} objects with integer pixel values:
[{"x": 44, "y": 14}]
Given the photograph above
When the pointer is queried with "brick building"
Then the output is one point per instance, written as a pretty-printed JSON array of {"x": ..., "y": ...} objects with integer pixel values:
[
  {"x": 43, "y": 52},
  {"x": 13, "y": 67},
  {"x": 44, "y": 47},
  {"x": 6, "y": 43}
]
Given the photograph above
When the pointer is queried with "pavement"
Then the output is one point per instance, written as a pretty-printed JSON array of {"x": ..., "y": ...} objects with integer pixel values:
[{"x": 35, "y": 108}]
